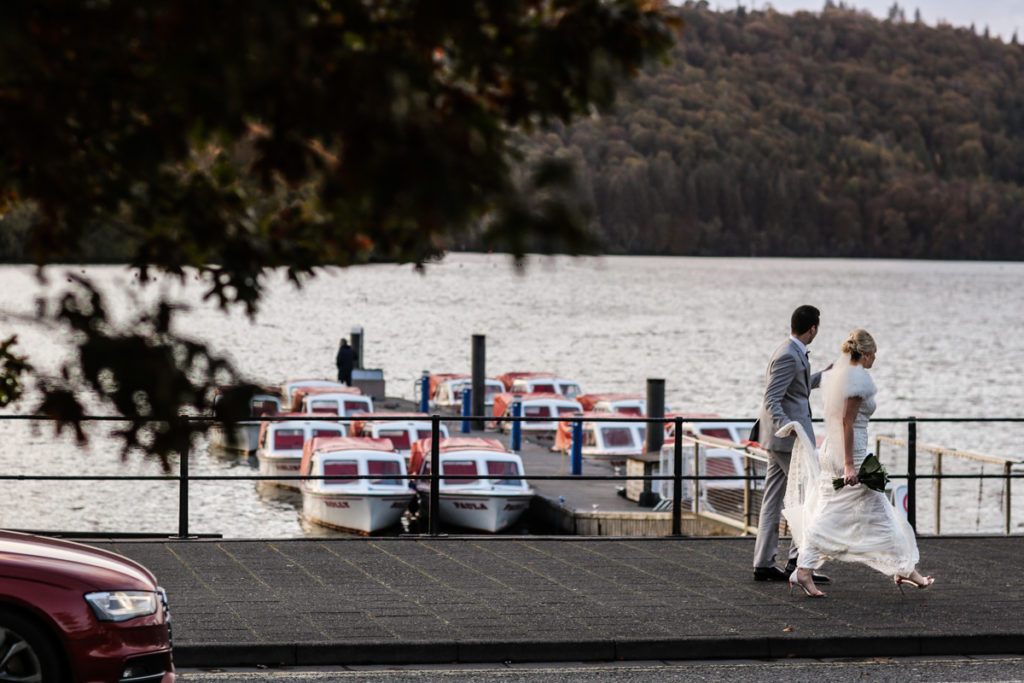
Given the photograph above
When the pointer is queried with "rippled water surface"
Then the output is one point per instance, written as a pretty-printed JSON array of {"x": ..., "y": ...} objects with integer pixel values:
[{"x": 950, "y": 335}]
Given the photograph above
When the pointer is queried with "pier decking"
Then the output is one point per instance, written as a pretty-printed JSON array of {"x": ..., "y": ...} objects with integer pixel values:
[{"x": 473, "y": 599}]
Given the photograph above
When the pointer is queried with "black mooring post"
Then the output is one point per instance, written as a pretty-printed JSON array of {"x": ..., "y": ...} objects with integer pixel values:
[
  {"x": 677, "y": 479},
  {"x": 912, "y": 472},
  {"x": 435, "y": 480},
  {"x": 479, "y": 379},
  {"x": 183, "y": 488},
  {"x": 357, "y": 345},
  {"x": 655, "y": 409}
]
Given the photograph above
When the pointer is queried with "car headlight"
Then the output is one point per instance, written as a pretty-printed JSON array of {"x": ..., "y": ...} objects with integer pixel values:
[{"x": 121, "y": 605}]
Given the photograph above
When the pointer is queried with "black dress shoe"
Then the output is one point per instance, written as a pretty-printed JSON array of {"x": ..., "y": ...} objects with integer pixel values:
[
  {"x": 818, "y": 578},
  {"x": 772, "y": 573}
]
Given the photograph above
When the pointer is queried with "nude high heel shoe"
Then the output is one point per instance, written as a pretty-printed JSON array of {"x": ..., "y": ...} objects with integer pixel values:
[
  {"x": 921, "y": 583},
  {"x": 794, "y": 580}
]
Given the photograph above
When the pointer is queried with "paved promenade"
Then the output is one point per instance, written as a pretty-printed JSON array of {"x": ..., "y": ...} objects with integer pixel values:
[{"x": 472, "y": 599}]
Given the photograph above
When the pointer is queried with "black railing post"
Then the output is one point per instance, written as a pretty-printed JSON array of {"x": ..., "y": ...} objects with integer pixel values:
[
  {"x": 912, "y": 472},
  {"x": 677, "y": 479},
  {"x": 435, "y": 465},
  {"x": 183, "y": 488}
]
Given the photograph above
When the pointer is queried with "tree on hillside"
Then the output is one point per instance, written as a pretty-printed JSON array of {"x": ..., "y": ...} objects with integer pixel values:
[{"x": 231, "y": 137}]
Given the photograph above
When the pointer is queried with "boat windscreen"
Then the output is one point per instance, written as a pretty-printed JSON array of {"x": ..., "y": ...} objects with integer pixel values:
[
  {"x": 288, "y": 440},
  {"x": 459, "y": 468},
  {"x": 327, "y": 407},
  {"x": 399, "y": 437},
  {"x": 327, "y": 432},
  {"x": 339, "y": 471},
  {"x": 617, "y": 437},
  {"x": 497, "y": 468},
  {"x": 536, "y": 411},
  {"x": 387, "y": 470}
]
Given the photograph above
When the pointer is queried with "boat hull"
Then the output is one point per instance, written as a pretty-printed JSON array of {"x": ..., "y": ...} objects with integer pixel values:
[
  {"x": 362, "y": 513},
  {"x": 487, "y": 512},
  {"x": 280, "y": 466},
  {"x": 247, "y": 436}
]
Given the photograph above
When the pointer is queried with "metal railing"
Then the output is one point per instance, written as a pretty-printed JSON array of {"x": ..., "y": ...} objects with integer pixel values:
[{"x": 678, "y": 478}]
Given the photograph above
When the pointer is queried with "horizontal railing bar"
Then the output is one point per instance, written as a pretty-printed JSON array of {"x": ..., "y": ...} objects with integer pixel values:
[
  {"x": 487, "y": 418},
  {"x": 426, "y": 477}
]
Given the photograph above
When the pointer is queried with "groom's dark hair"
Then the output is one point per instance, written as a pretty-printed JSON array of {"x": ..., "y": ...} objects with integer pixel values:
[{"x": 804, "y": 318}]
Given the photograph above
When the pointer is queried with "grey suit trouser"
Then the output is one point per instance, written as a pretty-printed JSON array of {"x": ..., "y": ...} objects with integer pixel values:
[{"x": 767, "y": 545}]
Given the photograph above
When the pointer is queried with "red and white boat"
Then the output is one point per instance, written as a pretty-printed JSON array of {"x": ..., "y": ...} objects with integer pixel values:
[
  {"x": 281, "y": 443},
  {"x": 476, "y": 487},
  {"x": 539, "y": 405},
  {"x": 611, "y": 441},
  {"x": 540, "y": 382},
  {"x": 446, "y": 389},
  {"x": 627, "y": 404},
  {"x": 403, "y": 429},
  {"x": 246, "y": 433},
  {"x": 299, "y": 394},
  {"x": 288, "y": 387},
  {"x": 342, "y": 501},
  {"x": 339, "y": 403}
]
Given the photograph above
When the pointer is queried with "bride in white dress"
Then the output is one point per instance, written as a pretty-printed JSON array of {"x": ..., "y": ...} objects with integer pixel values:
[{"x": 853, "y": 523}]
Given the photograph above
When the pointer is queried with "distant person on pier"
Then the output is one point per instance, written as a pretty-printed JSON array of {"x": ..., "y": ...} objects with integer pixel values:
[
  {"x": 345, "y": 360},
  {"x": 832, "y": 512},
  {"x": 788, "y": 385}
]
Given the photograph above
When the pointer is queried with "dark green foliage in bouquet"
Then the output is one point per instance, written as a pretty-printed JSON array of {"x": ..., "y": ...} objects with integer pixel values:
[{"x": 871, "y": 474}]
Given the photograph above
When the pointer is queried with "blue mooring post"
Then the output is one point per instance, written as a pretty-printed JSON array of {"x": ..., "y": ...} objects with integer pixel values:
[
  {"x": 577, "y": 447},
  {"x": 425, "y": 392},
  {"x": 517, "y": 426},
  {"x": 467, "y": 398}
]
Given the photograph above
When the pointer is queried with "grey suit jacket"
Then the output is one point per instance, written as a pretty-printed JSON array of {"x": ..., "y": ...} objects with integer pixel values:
[{"x": 788, "y": 385}]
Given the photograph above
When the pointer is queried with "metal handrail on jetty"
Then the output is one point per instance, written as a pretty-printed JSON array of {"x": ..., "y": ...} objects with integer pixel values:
[{"x": 744, "y": 522}]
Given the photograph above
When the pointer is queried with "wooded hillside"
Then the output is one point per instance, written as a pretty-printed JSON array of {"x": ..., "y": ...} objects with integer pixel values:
[{"x": 815, "y": 134}]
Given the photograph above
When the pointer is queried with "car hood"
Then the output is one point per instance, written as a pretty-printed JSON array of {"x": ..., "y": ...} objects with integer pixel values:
[{"x": 38, "y": 556}]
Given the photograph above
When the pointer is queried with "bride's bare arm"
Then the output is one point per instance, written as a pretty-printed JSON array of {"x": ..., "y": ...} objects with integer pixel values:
[{"x": 849, "y": 415}]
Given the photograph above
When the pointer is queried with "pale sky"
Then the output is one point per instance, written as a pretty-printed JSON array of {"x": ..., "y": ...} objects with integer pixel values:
[{"x": 1002, "y": 17}]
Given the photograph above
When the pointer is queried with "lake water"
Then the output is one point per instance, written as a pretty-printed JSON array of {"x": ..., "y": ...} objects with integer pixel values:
[{"x": 950, "y": 336}]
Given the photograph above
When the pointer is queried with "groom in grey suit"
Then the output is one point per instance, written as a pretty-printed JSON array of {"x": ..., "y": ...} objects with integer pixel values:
[{"x": 787, "y": 392}]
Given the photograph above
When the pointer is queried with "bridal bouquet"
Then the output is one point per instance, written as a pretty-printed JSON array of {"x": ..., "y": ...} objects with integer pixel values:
[{"x": 871, "y": 474}]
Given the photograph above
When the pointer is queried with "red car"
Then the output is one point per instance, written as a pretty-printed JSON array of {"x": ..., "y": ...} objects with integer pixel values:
[{"x": 70, "y": 612}]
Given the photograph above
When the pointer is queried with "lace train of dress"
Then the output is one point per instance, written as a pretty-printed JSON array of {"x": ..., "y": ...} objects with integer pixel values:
[{"x": 854, "y": 523}]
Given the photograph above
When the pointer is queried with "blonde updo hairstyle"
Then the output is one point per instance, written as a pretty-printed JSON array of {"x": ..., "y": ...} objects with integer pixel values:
[{"x": 858, "y": 343}]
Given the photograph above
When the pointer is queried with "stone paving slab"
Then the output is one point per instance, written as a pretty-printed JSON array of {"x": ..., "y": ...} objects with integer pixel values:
[{"x": 489, "y": 599}]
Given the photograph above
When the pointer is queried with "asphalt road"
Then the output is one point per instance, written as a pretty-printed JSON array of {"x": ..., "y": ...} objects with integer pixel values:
[{"x": 904, "y": 669}]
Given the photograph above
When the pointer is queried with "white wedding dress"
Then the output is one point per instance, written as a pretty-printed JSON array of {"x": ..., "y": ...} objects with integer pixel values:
[{"x": 854, "y": 523}]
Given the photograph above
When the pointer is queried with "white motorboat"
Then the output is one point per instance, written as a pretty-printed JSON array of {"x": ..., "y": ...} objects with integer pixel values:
[
  {"x": 601, "y": 440},
  {"x": 480, "y": 484},
  {"x": 339, "y": 403},
  {"x": 280, "y": 445},
  {"x": 403, "y": 429},
  {"x": 446, "y": 390},
  {"x": 540, "y": 405},
  {"x": 244, "y": 435},
  {"x": 342, "y": 500},
  {"x": 539, "y": 383}
]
